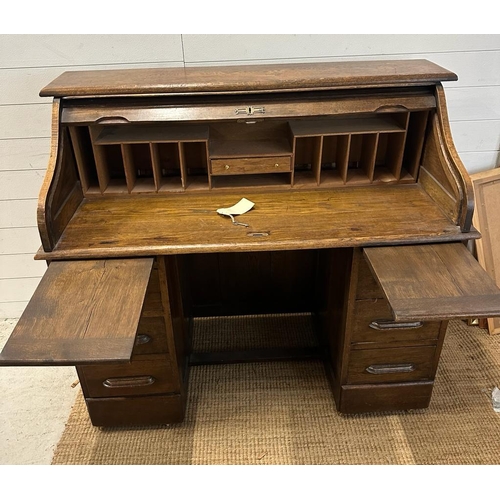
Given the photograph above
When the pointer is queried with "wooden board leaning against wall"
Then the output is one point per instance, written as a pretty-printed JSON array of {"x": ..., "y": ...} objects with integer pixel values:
[{"x": 487, "y": 198}]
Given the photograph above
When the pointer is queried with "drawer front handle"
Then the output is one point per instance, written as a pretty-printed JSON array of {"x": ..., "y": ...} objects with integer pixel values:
[
  {"x": 141, "y": 381},
  {"x": 110, "y": 120},
  {"x": 226, "y": 167},
  {"x": 142, "y": 339},
  {"x": 384, "y": 324},
  {"x": 393, "y": 368}
]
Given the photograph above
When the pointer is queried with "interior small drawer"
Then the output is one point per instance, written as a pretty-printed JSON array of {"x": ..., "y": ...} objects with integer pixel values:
[
  {"x": 373, "y": 323},
  {"x": 151, "y": 336},
  {"x": 149, "y": 374},
  {"x": 260, "y": 165},
  {"x": 401, "y": 364}
]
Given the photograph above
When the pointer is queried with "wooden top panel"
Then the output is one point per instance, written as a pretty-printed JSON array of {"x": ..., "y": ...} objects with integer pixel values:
[
  {"x": 251, "y": 78},
  {"x": 286, "y": 220},
  {"x": 82, "y": 312},
  {"x": 431, "y": 282}
]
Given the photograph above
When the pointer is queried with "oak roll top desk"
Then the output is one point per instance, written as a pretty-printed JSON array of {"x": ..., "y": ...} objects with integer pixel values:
[{"x": 362, "y": 208}]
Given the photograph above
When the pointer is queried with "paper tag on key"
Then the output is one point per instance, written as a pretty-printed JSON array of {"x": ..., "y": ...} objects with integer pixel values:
[{"x": 242, "y": 207}]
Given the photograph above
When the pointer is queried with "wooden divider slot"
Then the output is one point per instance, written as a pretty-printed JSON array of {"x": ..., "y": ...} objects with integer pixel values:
[
  {"x": 344, "y": 146},
  {"x": 325, "y": 152},
  {"x": 368, "y": 155},
  {"x": 417, "y": 126},
  {"x": 81, "y": 143},
  {"x": 169, "y": 166},
  {"x": 182, "y": 164},
  {"x": 100, "y": 161},
  {"x": 128, "y": 164},
  {"x": 316, "y": 166},
  {"x": 155, "y": 164}
]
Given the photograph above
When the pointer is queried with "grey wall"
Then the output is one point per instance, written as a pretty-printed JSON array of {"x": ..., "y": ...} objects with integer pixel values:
[{"x": 29, "y": 62}]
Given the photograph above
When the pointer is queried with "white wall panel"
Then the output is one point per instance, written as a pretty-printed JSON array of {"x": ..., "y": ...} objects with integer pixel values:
[
  {"x": 12, "y": 309},
  {"x": 22, "y": 85},
  {"x": 477, "y": 162},
  {"x": 473, "y": 103},
  {"x": 19, "y": 240},
  {"x": 17, "y": 290},
  {"x": 20, "y": 184},
  {"x": 205, "y": 48},
  {"x": 17, "y": 51},
  {"x": 21, "y": 266},
  {"x": 19, "y": 121},
  {"x": 18, "y": 213},
  {"x": 476, "y": 135},
  {"x": 24, "y": 154}
]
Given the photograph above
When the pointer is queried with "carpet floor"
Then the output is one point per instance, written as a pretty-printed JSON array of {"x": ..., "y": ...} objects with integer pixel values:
[{"x": 284, "y": 413}]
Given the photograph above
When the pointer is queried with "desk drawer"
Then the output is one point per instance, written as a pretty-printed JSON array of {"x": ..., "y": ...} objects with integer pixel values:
[
  {"x": 241, "y": 166},
  {"x": 151, "y": 336},
  {"x": 401, "y": 364},
  {"x": 137, "y": 410},
  {"x": 149, "y": 374},
  {"x": 373, "y": 323}
]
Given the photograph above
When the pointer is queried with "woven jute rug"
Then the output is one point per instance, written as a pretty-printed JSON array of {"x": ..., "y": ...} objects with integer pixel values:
[{"x": 283, "y": 412}]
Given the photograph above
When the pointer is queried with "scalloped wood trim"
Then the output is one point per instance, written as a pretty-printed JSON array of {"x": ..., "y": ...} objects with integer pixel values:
[
  {"x": 44, "y": 222},
  {"x": 458, "y": 170}
]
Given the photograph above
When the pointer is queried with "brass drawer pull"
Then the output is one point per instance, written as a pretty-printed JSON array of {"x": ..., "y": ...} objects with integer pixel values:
[
  {"x": 384, "y": 324},
  {"x": 394, "y": 368},
  {"x": 226, "y": 167},
  {"x": 141, "y": 381},
  {"x": 142, "y": 339}
]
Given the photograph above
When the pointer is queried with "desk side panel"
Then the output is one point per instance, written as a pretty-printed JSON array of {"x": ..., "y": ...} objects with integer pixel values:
[
  {"x": 61, "y": 193},
  {"x": 442, "y": 173}
]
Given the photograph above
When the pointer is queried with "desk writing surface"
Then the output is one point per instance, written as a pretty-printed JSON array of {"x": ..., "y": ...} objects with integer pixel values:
[{"x": 285, "y": 220}]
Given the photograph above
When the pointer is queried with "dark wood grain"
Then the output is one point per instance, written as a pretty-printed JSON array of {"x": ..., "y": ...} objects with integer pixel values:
[
  {"x": 384, "y": 397},
  {"x": 146, "y": 374},
  {"x": 256, "y": 78},
  {"x": 256, "y": 355},
  {"x": 429, "y": 282},
  {"x": 156, "y": 134},
  {"x": 366, "y": 311},
  {"x": 421, "y": 360},
  {"x": 136, "y": 410},
  {"x": 82, "y": 312},
  {"x": 242, "y": 166},
  {"x": 344, "y": 125},
  {"x": 223, "y": 107}
]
